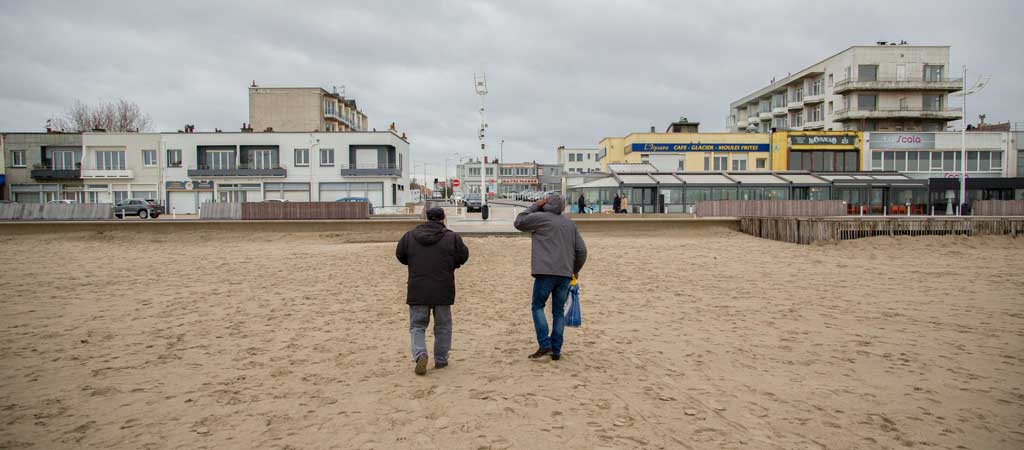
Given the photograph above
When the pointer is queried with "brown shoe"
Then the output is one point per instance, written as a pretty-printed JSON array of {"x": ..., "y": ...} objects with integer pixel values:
[
  {"x": 540, "y": 353},
  {"x": 421, "y": 365}
]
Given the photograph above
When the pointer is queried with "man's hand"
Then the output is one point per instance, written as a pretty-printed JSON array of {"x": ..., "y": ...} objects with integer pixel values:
[
  {"x": 576, "y": 275},
  {"x": 540, "y": 203}
]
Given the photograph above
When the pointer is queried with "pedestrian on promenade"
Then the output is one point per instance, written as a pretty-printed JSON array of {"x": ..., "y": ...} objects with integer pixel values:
[
  {"x": 558, "y": 253},
  {"x": 581, "y": 204},
  {"x": 625, "y": 205},
  {"x": 432, "y": 252},
  {"x": 617, "y": 203}
]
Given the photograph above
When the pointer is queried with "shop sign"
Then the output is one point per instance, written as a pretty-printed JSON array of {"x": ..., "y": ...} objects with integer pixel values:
[
  {"x": 189, "y": 185},
  {"x": 698, "y": 147},
  {"x": 821, "y": 139},
  {"x": 519, "y": 181},
  {"x": 902, "y": 140}
]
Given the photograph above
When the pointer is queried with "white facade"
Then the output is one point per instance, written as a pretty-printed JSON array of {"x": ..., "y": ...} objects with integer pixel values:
[
  {"x": 184, "y": 170},
  {"x": 865, "y": 88},
  {"x": 938, "y": 155},
  {"x": 306, "y": 167},
  {"x": 579, "y": 160}
]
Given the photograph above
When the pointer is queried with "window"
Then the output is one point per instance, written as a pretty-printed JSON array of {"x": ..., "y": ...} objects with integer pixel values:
[
  {"x": 301, "y": 157},
  {"x": 120, "y": 196},
  {"x": 572, "y": 157},
  {"x": 682, "y": 164},
  {"x": 173, "y": 158},
  {"x": 18, "y": 158},
  {"x": 645, "y": 159},
  {"x": 761, "y": 163},
  {"x": 936, "y": 165},
  {"x": 830, "y": 109},
  {"x": 739, "y": 165},
  {"x": 867, "y": 102},
  {"x": 588, "y": 156},
  {"x": 326, "y": 157},
  {"x": 816, "y": 86},
  {"x": 110, "y": 160},
  {"x": 867, "y": 72},
  {"x": 579, "y": 157},
  {"x": 932, "y": 72},
  {"x": 815, "y": 115},
  {"x": 149, "y": 158},
  {"x": 220, "y": 159},
  {"x": 829, "y": 80},
  {"x": 63, "y": 160},
  {"x": 997, "y": 162},
  {"x": 262, "y": 159},
  {"x": 931, "y": 102}
]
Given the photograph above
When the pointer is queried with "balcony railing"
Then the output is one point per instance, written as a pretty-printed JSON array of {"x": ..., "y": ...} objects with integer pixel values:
[
  {"x": 893, "y": 84},
  {"x": 897, "y": 112},
  {"x": 50, "y": 172},
  {"x": 370, "y": 170},
  {"x": 125, "y": 174},
  {"x": 238, "y": 170}
]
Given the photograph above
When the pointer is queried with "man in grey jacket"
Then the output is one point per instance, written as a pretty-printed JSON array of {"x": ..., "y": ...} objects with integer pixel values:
[{"x": 557, "y": 256}]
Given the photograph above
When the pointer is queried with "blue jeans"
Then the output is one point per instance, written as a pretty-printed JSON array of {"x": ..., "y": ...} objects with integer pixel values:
[{"x": 557, "y": 288}]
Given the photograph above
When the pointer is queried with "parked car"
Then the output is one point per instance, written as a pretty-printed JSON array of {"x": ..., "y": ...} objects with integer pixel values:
[
  {"x": 473, "y": 203},
  {"x": 62, "y": 202},
  {"x": 357, "y": 199},
  {"x": 275, "y": 200},
  {"x": 144, "y": 208}
]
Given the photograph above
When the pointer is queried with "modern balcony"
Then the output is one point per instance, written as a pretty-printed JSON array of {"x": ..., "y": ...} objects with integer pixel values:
[
  {"x": 47, "y": 172},
  {"x": 795, "y": 105},
  {"x": 765, "y": 115},
  {"x": 238, "y": 171},
  {"x": 814, "y": 98},
  {"x": 370, "y": 170},
  {"x": 116, "y": 174},
  {"x": 352, "y": 122},
  {"x": 813, "y": 125},
  {"x": 753, "y": 120},
  {"x": 779, "y": 111},
  {"x": 892, "y": 84},
  {"x": 846, "y": 114}
]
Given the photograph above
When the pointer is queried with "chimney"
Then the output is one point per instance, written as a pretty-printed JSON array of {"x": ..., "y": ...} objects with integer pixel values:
[{"x": 652, "y": 129}]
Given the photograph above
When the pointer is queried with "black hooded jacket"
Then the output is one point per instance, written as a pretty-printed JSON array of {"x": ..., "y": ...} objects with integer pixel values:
[{"x": 432, "y": 252}]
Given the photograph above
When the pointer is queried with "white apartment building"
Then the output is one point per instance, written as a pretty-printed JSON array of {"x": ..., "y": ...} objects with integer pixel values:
[
  {"x": 865, "y": 88},
  {"x": 184, "y": 170},
  {"x": 579, "y": 160}
]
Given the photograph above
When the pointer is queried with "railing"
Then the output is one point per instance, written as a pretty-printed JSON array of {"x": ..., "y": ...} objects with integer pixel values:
[
  {"x": 887, "y": 111},
  {"x": 49, "y": 172},
  {"x": 355, "y": 170},
  {"x": 238, "y": 170},
  {"x": 895, "y": 83}
]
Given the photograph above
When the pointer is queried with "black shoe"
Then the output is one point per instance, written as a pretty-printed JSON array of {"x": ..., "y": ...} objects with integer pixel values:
[
  {"x": 421, "y": 365},
  {"x": 556, "y": 356},
  {"x": 540, "y": 353},
  {"x": 440, "y": 365}
]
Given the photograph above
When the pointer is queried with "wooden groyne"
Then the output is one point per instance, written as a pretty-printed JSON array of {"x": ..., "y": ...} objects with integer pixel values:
[{"x": 810, "y": 230}]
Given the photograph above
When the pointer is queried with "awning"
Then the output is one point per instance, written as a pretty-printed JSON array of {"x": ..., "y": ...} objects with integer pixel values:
[
  {"x": 757, "y": 179},
  {"x": 636, "y": 180}
]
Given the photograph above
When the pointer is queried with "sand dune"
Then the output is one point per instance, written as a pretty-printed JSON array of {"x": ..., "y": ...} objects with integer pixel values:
[{"x": 717, "y": 341}]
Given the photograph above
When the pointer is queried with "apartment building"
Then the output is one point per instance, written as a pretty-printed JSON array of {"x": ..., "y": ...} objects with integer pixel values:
[
  {"x": 886, "y": 87},
  {"x": 579, "y": 160},
  {"x": 309, "y": 109},
  {"x": 184, "y": 170},
  {"x": 468, "y": 175}
]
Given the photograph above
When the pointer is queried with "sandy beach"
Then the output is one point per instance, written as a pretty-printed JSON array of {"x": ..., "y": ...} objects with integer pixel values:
[{"x": 710, "y": 341}]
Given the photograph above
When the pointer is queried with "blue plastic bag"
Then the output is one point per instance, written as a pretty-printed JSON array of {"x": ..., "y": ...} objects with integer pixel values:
[{"x": 573, "y": 316}]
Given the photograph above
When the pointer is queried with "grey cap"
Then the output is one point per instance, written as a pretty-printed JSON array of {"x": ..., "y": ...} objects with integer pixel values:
[
  {"x": 435, "y": 214},
  {"x": 555, "y": 204}
]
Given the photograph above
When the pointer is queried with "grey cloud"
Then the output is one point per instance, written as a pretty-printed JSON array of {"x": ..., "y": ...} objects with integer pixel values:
[{"x": 560, "y": 73}]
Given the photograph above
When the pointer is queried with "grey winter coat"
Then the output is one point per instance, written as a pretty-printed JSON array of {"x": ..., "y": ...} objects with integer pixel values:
[{"x": 558, "y": 248}]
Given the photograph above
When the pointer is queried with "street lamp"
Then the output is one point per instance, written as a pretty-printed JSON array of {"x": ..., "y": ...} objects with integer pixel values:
[{"x": 978, "y": 86}]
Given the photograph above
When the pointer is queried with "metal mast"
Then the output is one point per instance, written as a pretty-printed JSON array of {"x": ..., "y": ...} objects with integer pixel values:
[{"x": 481, "y": 90}]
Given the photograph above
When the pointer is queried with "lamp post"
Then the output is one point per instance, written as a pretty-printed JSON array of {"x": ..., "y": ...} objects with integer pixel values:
[
  {"x": 480, "y": 82},
  {"x": 982, "y": 82}
]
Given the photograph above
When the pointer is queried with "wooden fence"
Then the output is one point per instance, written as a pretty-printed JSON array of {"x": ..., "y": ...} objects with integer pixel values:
[
  {"x": 56, "y": 211},
  {"x": 771, "y": 208},
  {"x": 220, "y": 211},
  {"x": 1000, "y": 208},
  {"x": 810, "y": 230},
  {"x": 305, "y": 210}
]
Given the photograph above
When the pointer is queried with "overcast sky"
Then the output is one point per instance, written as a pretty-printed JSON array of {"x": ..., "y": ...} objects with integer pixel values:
[{"x": 559, "y": 72}]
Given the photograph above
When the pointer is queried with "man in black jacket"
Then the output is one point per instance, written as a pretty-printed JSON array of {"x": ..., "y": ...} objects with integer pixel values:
[{"x": 432, "y": 252}]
